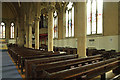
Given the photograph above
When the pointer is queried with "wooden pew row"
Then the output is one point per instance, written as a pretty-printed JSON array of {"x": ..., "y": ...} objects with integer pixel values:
[
  {"x": 110, "y": 54},
  {"x": 16, "y": 56},
  {"x": 21, "y": 59},
  {"x": 75, "y": 61},
  {"x": 89, "y": 52},
  {"x": 22, "y": 55},
  {"x": 39, "y": 67},
  {"x": 89, "y": 71},
  {"x": 23, "y": 52},
  {"x": 63, "y": 67},
  {"x": 66, "y": 49},
  {"x": 15, "y": 52},
  {"x": 22, "y": 49},
  {"x": 29, "y": 63}
]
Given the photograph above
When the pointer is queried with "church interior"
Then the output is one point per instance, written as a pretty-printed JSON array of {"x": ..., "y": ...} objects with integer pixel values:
[{"x": 60, "y": 40}]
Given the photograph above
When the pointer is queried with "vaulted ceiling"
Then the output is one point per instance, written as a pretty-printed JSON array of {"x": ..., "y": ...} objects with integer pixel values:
[{"x": 27, "y": 7}]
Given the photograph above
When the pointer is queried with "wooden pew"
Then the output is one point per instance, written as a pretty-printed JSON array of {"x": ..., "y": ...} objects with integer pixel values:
[
  {"x": 64, "y": 64},
  {"x": 18, "y": 51},
  {"x": 88, "y": 71},
  {"x": 73, "y": 50},
  {"x": 21, "y": 60},
  {"x": 66, "y": 49},
  {"x": 24, "y": 51},
  {"x": 117, "y": 77},
  {"x": 91, "y": 52},
  {"x": 29, "y": 63},
  {"x": 20, "y": 55}
]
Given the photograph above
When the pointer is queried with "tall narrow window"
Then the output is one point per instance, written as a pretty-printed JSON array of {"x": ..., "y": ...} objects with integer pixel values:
[
  {"x": 99, "y": 16},
  {"x": 2, "y": 30},
  {"x": 12, "y": 30},
  {"x": 55, "y": 25},
  {"x": 66, "y": 23},
  {"x": 94, "y": 16},
  {"x": 70, "y": 20},
  {"x": 89, "y": 17}
]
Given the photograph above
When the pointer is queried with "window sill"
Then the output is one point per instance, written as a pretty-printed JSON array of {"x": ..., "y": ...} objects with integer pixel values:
[
  {"x": 94, "y": 35},
  {"x": 69, "y": 37},
  {"x": 12, "y": 38},
  {"x": 55, "y": 38},
  {"x": 2, "y": 38}
]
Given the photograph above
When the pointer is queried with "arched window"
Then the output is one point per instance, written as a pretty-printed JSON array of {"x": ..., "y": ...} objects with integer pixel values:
[
  {"x": 2, "y": 30},
  {"x": 70, "y": 20},
  {"x": 12, "y": 30},
  {"x": 94, "y": 17},
  {"x": 55, "y": 25}
]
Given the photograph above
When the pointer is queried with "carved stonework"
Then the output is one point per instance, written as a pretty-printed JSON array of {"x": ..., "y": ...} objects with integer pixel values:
[
  {"x": 61, "y": 7},
  {"x": 29, "y": 24},
  {"x": 37, "y": 18}
]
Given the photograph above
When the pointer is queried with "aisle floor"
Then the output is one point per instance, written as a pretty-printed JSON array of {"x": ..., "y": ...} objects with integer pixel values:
[{"x": 9, "y": 70}]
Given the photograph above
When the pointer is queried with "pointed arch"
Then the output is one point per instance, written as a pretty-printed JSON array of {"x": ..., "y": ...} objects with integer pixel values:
[
  {"x": 2, "y": 30},
  {"x": 12, "y": 30}
]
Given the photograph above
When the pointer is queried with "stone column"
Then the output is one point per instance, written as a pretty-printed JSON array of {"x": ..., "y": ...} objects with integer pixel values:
[
  {"x": 15, "y": 33},
  {"x": 27, "y": 36},
  {"x": 80, "y": 28},
  {"x": 64, "y": 23},
  {"x": 37, "y": 33},
  {"x": 7, "y": 34},
  {"x": 30, "y": 35},
  {"x": 20, "y": 34},
  {"x": 61, "y": 23},
  {"x": 50, "y": 30}
]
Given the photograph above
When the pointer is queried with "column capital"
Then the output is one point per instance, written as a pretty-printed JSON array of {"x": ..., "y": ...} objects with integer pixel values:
[
  {"x": 61, "y": 7},
  {"x": 51, "y": 6},
  {"x": 37, "y": 18},
  {"x": 52, "y": 9},
  {"x": 29, "y": 24}
]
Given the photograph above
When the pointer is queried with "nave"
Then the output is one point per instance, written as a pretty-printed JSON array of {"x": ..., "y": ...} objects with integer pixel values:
[
  {"x": 41, "y": 65},
  {"x": 61, "y": 40}
]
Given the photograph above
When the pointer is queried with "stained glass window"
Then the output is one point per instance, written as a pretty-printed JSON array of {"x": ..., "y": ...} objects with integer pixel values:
[
  {"x": 12, "y": 30},
  {"x": 55, "y": 25},
  {"x": 70, "y": 20},
  {"x": 2, "y": 30},
  {"x": 67, "y": 23},
  {"x": 94, "y": 16},
  {"x": 89, "y": 17},
  {"x": 99, "y": 16}
]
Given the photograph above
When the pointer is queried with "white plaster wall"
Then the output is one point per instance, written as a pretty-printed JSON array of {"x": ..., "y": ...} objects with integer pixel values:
[
  {"x": 13, "y": 41},
  {"x": 100, "y": 42},
  {"x": 103, "y": 42},
  {"x": 68, "y": 42}
]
